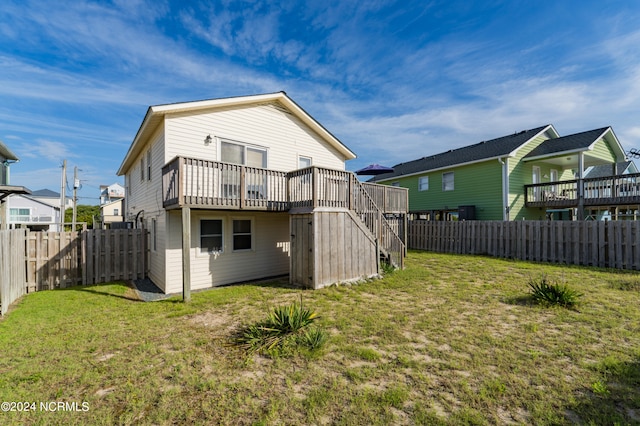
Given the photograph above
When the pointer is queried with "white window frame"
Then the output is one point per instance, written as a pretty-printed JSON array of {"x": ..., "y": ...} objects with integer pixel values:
[
  {"x": 423, "y": 183},
  {"x": 149, "y": 165},
  {"x": 445, "y": 181},
  {"x": 252, "y": 233},
  {"x": 142, "y": 168},
  {"x": 245, "y": 145},
  {"x": 200, "y": 251},
  {"x": 303, "y": 157}
]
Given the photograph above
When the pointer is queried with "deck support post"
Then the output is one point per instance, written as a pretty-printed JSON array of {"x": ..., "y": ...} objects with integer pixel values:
[
  {"x": 186, "y": 254},
  {"x": 580, "y": 187}
]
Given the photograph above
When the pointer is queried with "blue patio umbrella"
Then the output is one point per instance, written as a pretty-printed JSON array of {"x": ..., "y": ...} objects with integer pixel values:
[{"x": 374, "y": 169}]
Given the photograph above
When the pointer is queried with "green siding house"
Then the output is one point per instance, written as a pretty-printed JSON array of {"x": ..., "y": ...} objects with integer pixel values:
[{"x": 486, "y": 180}]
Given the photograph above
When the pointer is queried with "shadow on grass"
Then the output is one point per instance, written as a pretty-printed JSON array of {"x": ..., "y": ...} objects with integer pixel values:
[
  {"x": 615, "y": 398},
  {"x": 103, "y": 290},
  {"x": 525, "y": 300}
]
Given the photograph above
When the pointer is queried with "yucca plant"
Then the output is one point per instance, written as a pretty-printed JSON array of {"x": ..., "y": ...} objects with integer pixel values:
[
  {"x": 284, "y": 327},
  {"x": 546, "y": 293}
]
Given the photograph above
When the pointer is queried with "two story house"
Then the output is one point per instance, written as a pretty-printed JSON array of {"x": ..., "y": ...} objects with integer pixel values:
[
  {"x": 533, "y": 174},
  {"x": 6, "y": 189},
  {"x": 111, "y": 206},
  {"x": 242, "y": 188}
]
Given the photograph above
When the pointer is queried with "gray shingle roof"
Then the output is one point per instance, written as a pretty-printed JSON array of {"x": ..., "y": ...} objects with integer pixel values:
[
  {"x": 45, "y": 193},
  {"x": 573, "y": 142},
  {"x": 605, "y": 170},
  {"x": 484, "y": 150}
]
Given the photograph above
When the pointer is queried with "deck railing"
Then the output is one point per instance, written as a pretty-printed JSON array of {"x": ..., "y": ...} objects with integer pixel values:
[
  {"x": 211, "y": 184},
  {"x": 609, "y": 190},
  {"x": 201, "y": 183}
]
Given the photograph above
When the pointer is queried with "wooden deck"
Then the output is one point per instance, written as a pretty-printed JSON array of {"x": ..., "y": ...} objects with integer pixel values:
[
  {"x": 619, "y": 190},
  {"x": 195, "y": 183},
  {"x": 200, "y": 184}
]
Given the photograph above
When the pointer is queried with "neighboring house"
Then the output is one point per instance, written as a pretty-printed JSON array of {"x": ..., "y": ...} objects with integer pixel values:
[
  {"x": 52, "y": 198},
  {"x": 617, "y": 212},
  {"x": 508, "y": 178},
  {"x": 33, "y": 213},
  {"x": 111, "y": 193},
  {"x": 243, "y": 188},
  {"x": 6, "y": 159},
  {"x": 111, "y": 213}
]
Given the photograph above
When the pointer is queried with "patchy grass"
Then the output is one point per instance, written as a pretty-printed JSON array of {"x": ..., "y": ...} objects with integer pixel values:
[{"x": 449, "y": 340}]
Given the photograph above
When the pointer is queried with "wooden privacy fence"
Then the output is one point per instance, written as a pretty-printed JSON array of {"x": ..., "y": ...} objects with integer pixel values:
[
  {"x": 612, "y": 244},
  {"x": 33, "y": 261},
  {"x": 12, "y": 271}
]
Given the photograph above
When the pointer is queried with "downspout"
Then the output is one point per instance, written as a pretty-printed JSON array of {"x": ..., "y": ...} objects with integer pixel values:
[{"x": 505, "y": 190}]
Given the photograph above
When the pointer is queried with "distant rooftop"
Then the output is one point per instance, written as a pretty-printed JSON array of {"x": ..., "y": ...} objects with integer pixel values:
[{"x": 483, "y": 150}]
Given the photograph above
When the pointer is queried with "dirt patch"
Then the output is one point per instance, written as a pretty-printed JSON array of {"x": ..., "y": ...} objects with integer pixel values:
[{"x": 220, "y": 322}]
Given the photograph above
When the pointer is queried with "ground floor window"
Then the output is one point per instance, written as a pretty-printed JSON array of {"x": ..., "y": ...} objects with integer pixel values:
[
  {"x": 242, "y": 235},
  {"x": 211, "y": 235}
]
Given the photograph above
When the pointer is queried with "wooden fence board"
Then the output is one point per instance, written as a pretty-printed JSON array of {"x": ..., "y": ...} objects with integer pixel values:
[
  {"x": 613, "y": 244},
  {"x": 48, "y": 260}
]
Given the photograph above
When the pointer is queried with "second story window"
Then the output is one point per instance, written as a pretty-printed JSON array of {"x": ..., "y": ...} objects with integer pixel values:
[
  {"x": 423, "y": 183},
  {"x": 149, "y": 165},
  {"x": 447, "y": 181},
  {"x": 245, "y": 155}
]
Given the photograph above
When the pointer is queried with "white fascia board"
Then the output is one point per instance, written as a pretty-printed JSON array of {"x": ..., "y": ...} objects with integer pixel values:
[
  {"x": 616, "y": 145},
  {"x": 556, "y": 154},
  {"x": 148, "y": 123},
  {"x": 427, "y": 171},
  {"x": 549, "y": 127}
]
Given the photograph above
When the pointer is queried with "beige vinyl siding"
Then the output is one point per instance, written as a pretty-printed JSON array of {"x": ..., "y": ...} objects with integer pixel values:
[
  {"x": 268, "y": 257},
  {"x": 146, "y": 197},
  {"x": 285, "y": 136},
  {"x": 109, "y": 209}
]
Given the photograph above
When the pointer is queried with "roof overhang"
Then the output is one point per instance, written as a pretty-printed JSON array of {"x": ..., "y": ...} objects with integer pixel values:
[
  {"x": 570, "y": 157},
  {"x": 6, "y": 190},
  {"x": 155, "y": 116},
  {"x": 511, "y": 154},
  {"x": 437, "y": 169},
  {"x": 6, "y": 153}
]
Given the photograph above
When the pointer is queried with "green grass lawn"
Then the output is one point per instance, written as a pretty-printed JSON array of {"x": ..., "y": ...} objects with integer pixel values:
[{"x": 449, "y": 340}]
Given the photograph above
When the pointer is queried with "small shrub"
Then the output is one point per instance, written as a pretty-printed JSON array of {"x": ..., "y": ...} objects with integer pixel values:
[
  {"x": 387, "y": 268},
  {"x": 600, "y": 388},
  {"x": 284, "y": 329},
  {"x": 546, "y": 293}
]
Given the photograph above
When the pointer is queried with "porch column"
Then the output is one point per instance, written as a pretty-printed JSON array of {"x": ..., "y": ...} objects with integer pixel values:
[
  {"x": 186, "y": 254},
  {"x": 580, "y": 187}
]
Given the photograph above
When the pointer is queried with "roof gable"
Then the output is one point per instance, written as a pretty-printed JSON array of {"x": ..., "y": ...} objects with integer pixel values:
[
  {"x": 582, "y": 141},
  {"x": 495, "y": 148},
  {"x": 155, "y": 116}
]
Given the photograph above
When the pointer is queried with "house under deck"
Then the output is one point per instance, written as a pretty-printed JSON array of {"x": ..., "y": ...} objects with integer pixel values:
[
  {"x": 610, "y": 192},
  {"x": 340, "y": 228}
]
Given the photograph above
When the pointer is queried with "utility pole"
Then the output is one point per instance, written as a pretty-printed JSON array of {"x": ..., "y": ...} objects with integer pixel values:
[
  {"x": 76, "y": 184},
  {"x": 62, "y": 195}
]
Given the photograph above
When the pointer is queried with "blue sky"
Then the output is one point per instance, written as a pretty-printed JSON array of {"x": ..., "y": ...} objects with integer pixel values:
[{"x": 393, "y": 80}]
